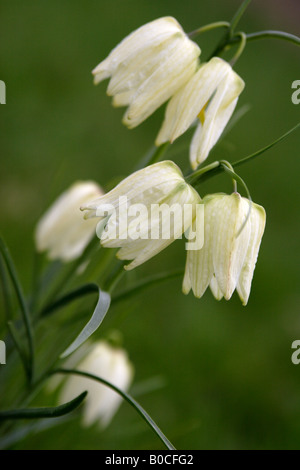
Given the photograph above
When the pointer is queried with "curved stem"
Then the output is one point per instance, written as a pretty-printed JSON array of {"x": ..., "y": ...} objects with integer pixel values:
[
  {"x": 268, "y": 34},
  {"x": 228, "y": 165},
  {"x": 239, "y": 180},
  {"x": 192, "y": 179},
  {"x": 208, "y": 27},
  {"x": 243, "y": 41},
  {"x": 264, "y": 149},
  {"x": 125, "y": 396}
]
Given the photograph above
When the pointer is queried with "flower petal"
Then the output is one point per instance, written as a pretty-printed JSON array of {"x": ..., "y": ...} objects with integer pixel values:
[
  {"x": 258, "y": 221},
  {"x": 217, "y": 115},
  {"x": 188, "y": 102},
  {"x": 154, "y": 32},
  {"x": 178, "y": 64},
  {"x": 147, "y": 186},
  {"x": 230, "y": 246}
]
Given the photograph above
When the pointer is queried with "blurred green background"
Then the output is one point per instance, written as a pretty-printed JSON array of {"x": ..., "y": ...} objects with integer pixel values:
[{"x": 229, "y": 382}]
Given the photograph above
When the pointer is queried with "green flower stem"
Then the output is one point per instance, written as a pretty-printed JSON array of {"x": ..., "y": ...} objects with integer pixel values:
[
  {"x": 145, "y": 284},
  {"x": 243, "y": 41},
  {"x": 216, "y": 167},
  {"x": 228, "y": 165},
  {"x": 239, "y": 180},
  {"x": 226, "y": 40},
  {"x": 23, "y": 306},
  {"x": 264, "y": 149},
  {"x": 194, "y": 177},
  {"x": 235, "y": 176},
  {"x": 238, "y": 15},
  {"x": 268, "y": 34},
  {"x": 126, "y": 397},
  {"x": 208, "y": 27}
]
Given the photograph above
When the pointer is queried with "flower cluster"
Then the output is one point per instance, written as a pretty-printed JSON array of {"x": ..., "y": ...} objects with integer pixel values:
[
  {"x": 154, "y": 64},
  {"x": 158, "y": 62}
]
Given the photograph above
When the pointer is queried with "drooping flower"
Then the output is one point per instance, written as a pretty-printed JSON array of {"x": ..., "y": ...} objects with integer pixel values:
[
  {"x": 148, "y": 67},
  {"x": 62, "y": 230},
  {"x": 111, "y": 364},
  {"x": 211, "y": 96},
  {"x": 229, "y": 254},
  {"x": 148, "y": 211}
]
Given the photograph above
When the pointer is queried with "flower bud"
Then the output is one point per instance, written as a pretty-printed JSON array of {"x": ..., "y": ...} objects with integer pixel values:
[
  {"x": 62, "y": 231},
  {"x": 111, "y": 364}
]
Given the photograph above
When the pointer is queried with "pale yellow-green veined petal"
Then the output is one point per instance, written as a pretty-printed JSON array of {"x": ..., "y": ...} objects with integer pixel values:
[
  {"x": 257, "y": 221},
  {"x": 146, "y": 185},
  {"x": 229, "y": 248},
  {"x": 214, "y": 287},
  {"x": 132, "y": 73},
  {"x": 216, "y": 117},
  {"x": 179, "y": 65},
  {"x": 187, "y": 103},
  {"x": 170, "y": 228},
  {"x": 154, "y": 32}
]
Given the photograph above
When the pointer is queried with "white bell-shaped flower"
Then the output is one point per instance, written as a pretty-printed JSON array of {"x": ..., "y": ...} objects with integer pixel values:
[
  {"x": 111, "y": 364},
  {"x": 147, "y": 211},
  {"x": 211, "y": 96},
  {"x": 232, "y": 239},
  {"x": 148, "y": 67},
  {"x": 62, "y": 230}
]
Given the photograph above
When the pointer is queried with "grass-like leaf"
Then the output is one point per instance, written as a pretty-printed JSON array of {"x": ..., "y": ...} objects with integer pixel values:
[
  {"x": 126, "y": 397},
  {"x": 23, "y": 306},
  {"x": 52, "y": 412},
  {"x": 93, "y": 324}
]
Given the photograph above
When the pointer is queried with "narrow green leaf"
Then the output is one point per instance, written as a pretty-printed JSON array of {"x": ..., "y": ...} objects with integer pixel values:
[
  {"x": 6, "y": 292},
  {"x": 19, "y": 347},
  {"x": 93, "y": 324},
  {"x": 23, "y": 306},
  {"x": 52, "y": 412},
  {"x": 126, "y": 397}
]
